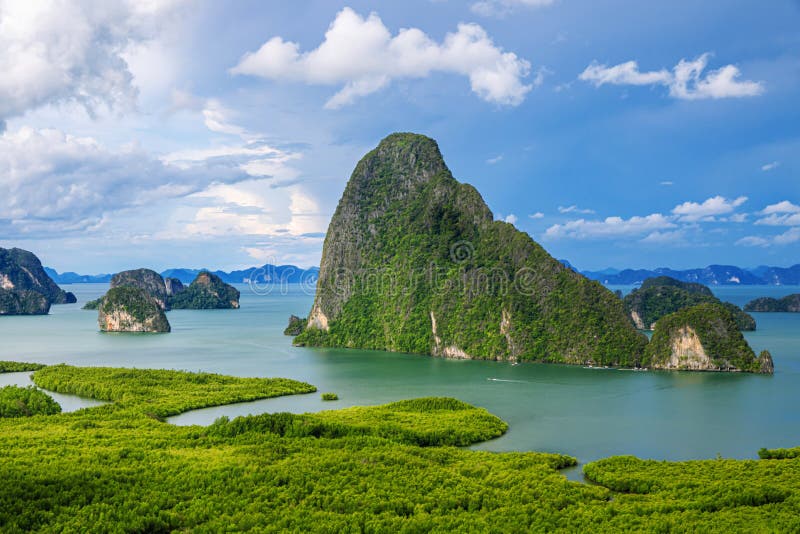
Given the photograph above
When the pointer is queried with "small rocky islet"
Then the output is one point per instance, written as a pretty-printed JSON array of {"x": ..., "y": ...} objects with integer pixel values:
[
  {"x": 139, "y": 298},
  {"x": 787, "y": 304}
]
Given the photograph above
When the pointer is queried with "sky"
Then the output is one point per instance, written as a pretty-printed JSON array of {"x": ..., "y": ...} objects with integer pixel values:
[{"x": 177, "y": 133}]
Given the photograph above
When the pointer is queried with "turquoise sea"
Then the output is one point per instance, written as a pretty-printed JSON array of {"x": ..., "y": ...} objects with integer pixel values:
[{"x": 587, "y": 413}]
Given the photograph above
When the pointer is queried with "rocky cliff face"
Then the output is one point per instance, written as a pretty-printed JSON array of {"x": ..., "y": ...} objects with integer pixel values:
[
  {"x": 173, "y": 286},
  {"x": 145, "y": 279},
  {"x": 21, "y": 272},
  {"x": 131, "y": 309},
  {"x": 206, "y": 292},
  {"x": 414, "y": 262},
  {"x": 704, "y": 337}
]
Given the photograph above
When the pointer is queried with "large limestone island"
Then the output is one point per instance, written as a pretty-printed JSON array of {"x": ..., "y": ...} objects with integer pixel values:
[
  {"x": 150, "y": 295},
  {"x": 25, "y": 287},
  {"x": 704, "y": 337},
  {"x": 414, "y": 261},
  {"x": 662, "y": 295},
  {"x": 789, "y": 303}
]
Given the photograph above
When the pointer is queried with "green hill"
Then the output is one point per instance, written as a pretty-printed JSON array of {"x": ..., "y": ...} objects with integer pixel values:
[{"x": 414, "y": 262}]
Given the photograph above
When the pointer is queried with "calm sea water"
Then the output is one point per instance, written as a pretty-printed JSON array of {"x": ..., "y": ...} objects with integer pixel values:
[{"x": 588, "y": 413}]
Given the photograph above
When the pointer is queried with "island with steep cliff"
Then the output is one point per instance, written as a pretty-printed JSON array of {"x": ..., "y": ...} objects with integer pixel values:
[
  {"x": 130, "y": 309},
  {"x": 662, "y": 295},
  {"x": 704, "y": 337},
  {"x": 414, "y": 261},
  {"x": 206, "y": 292},
  {"x": 25, "y": 287}
]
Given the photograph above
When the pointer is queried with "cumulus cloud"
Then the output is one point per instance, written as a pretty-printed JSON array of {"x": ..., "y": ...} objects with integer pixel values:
[
  {"x": 537, "y": 215},
  {"x": 610, "y": 227},
  {"x": 656, "y": 227},
  {"x": 790, "y": 236},
  {"x": 783, "y": 213},
  {"x": 54, "y": 180},
  {"x": 707, "y": 210},
  {"x": 686, "y": 81},
  {"x": 361, "y": 55},
  {"x": 511, "y": 218},
  {"x": 57, "y": 52},
  {"x": 501, "y": 8}
]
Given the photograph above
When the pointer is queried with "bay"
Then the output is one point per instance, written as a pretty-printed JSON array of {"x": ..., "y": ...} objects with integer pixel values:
[{"x": 587, "y": 413}]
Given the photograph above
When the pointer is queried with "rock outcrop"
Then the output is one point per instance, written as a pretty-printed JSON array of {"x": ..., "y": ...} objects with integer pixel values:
[
  {"x": 704, "y": 337},
  {"x": 173, "y": 286},
  {"x": 23, "y": 302},
  {"x": 789, "y": 303},
  {"x": 131, "y": 309},
  {"x": 663, "y": 295},
  {"x": 147, "y": 280},
  {"x": 296, "y": 326},
  {"x": 21, "y": 273},
  {"x": 409, "y": 245},
  {"x": 206, "y": 292}
]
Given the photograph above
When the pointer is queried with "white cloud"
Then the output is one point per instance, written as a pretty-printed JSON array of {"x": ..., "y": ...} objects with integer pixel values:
[
  {"x": 573, "y": 209},
  {"x": 664, "y": 238},
  {"x": 666, "y": 183},
  {"x": 769, "y": 166},
  {"x": 790, "y": 236},
  {"x": 537, "y": 215},
  {"x": 753, "y": 241},
  {"x": 783, "y": 206},
  {"x": 362, "y": 55},
  {"x": 501, "y": 8},
  {"x": 686, "y": 81},
  {"x": 775, "y": 219},
  {"x": 707, "y": 210},
  {"x": 71, "y": 52},
  {"x": 496, "y": 159},
  {"x": 610, "y": 227},
  {"x": 55, "y": 180},
  {"x": 511, "y": 219}
]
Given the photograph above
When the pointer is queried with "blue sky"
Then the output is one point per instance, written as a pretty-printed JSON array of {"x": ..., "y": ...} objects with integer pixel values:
[{"x": 171, "y": 133}]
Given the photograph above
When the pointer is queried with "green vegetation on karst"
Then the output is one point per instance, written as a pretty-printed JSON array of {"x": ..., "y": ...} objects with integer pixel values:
[
  {"x": 131, "y": 309},
  {"x": 414, "y": 262},
  {"x": 330, "y": 396},
  {"x": 206, "y": 292},
  {"x": 717, "y": 332},
  {"x": 663, "y": 295},
  {"x": 789, "y": 303},
  {"x": 18, "y": 401},
  {"x": 118, "y": 467}
]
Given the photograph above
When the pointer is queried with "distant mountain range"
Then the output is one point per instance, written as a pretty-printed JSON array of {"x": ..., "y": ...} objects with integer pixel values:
[
  {"x": 287, "y": 274},
  {"x": 713, "y": 275}
]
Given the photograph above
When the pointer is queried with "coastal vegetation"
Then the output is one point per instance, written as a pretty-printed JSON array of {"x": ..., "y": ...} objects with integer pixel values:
[
  {"x": 120, "y": 467},
  {"x": 330, "y": 396},
  {"x": 789, "y": 303},
  {"x": 26, "y": 401},
  {"x": 18, "y": 367}
]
